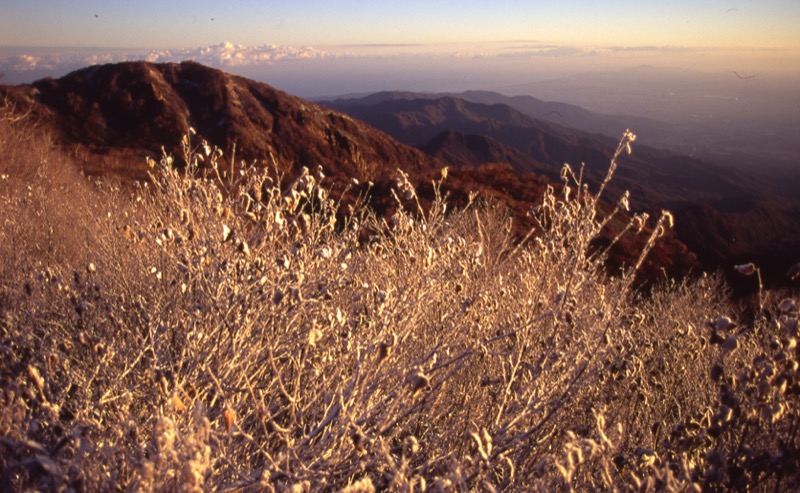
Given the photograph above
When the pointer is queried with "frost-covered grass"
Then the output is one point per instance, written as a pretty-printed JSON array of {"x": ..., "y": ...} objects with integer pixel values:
[{"x": 205, "y": 333}]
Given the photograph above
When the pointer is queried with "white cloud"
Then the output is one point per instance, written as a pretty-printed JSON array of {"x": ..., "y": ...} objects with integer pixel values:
[
  {"x": 236, "y": 55},
  {"x": 27, "y": 62},
  {"x": 19, "y": 65}
]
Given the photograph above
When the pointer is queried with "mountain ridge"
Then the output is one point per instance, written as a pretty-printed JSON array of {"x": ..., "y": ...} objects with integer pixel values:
[
  {"x": 111, "y": 116},
  {"x": 655, "y": 178},
  {"x": 120, "y": 110},
  {"x": 566, "y": 114},
  {"x": 419, "y": 120}
]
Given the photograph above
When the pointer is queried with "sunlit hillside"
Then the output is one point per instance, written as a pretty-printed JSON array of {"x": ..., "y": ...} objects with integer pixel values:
[{"x": 206, "y": 330}]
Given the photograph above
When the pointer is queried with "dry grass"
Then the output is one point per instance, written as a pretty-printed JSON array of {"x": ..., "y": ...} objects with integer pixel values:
[{"x": 204, "y": 333}]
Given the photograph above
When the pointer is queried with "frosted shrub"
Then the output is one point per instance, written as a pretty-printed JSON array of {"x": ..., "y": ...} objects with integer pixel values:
[{"x": 220, "y": 328}]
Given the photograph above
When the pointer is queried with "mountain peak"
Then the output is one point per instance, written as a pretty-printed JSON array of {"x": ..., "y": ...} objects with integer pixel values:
[{"x": 126, "y": 110}]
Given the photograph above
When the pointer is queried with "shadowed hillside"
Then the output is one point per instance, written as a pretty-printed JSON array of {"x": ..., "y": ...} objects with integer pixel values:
[
  {"x": 110, "y": 117},
  {"x": 665, "y": 180},
  {"x": 726, "y": 216},
  {"x": 461, "y": 149},
  {"x": 118, "y": 111}
]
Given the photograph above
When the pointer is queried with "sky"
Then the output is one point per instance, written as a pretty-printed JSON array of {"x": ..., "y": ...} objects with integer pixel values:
[
  {"x": 181, "y": 24},
  {"x": 428, "y": 43}
]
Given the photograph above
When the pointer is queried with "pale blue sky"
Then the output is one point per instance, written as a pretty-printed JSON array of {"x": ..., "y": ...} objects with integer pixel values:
[{"x": 181, "y": 24}]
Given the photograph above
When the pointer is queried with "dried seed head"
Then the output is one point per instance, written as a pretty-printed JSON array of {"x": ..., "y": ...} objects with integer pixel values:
[
  {"x": 279, "y": 220},
  {"x": 731, "y": 344},
  {"x": 418, "y": 380},
  {"x": 640, "y": 221},
  {"x": 358, "y": 441},
  {"x": 226, "y": 233},
  {"x": 566, "y": 171},
  {"x": 786, "y": 305},
  {"x": 313, "y": 336},
  {"x": 178, "y": 404},
  {"x": 668, "y": 216},
  {"x": 36, "y": 378},
  {"x": 794, "y": 272},
  {"x": 717, "y": 373},
  {"x": 229, "y": 416},
  {"x": 747, "y": 269},
  {"x": 325, "y": 252},
  {"x": 410, "y": 444},
  {"x": 724, "y": 323}
]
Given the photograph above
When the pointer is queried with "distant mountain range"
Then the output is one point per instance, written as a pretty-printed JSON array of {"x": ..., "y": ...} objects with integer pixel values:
[
  {"x": 110, "y": 117},
  {"x": 665, "y": 180},
  {"x": 725, "y": 214},
  {"x": 564, "y": 114}
]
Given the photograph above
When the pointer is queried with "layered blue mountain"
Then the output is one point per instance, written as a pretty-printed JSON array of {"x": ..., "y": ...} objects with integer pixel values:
[{"x": 725, "y": 214}]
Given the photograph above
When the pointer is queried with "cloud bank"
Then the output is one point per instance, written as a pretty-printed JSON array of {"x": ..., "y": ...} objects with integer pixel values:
[
  {"x": 21, "y": 65},
  {"x": 313, "y": 72},
  {"x": 228, "y": 54}
]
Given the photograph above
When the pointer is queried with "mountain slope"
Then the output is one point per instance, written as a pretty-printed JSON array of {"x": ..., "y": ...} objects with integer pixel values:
[
  {"x": 726, "y": 216},
  {"x": 460, "y": 149},
  {"x": 110, "y": 117},
  {"x": 655, "y": 178},
  {"x": 569, "y": 115},
  {"x": 119, "y": 111},
  {"x": 565, "y": 114}
]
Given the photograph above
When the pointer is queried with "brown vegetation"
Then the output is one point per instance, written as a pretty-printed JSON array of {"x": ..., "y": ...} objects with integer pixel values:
[
  {"x": 109, "y": 117},
  {"x": 230, "y": 333}
]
